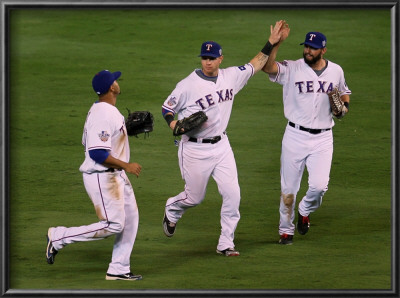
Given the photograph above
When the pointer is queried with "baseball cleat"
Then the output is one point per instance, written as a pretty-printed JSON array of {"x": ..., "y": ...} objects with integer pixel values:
[
  {"x": 127, "y": 276},
  {"x": 50, "y": 250},
  {"x": 303, "y": 224},
  {"x": 229, "y": 252},
  {"x": 169, "y": 227},
  {"x": 286, "y": 239}
]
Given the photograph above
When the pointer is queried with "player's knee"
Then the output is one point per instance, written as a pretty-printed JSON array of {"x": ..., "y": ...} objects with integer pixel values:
[
  {"x": 288, "y": 199},
  {"x": 230, "y": 194},
  {"x": 193, "y": 200},
  {"x": 318, "y": 189},
  {"x": 115, "y": 227}
]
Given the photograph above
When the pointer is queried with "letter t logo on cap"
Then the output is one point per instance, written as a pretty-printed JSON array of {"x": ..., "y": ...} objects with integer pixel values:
[{"x": 312, "y": 36}]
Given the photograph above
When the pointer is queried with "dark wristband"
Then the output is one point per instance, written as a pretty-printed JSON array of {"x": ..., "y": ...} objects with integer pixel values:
[
  {"x": 267, "y": 49},
  {"x": 346, "y": 104},
  {"x": 169, "y": 118}
]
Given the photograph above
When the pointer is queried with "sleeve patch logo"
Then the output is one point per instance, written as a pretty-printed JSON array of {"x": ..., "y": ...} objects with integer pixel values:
[
  {"x": 172, "y": 101},
  {"x": 104, "y": 135}
]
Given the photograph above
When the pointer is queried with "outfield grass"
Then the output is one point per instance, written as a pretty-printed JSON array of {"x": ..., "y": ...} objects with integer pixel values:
[{"x": 55, "y": 53}]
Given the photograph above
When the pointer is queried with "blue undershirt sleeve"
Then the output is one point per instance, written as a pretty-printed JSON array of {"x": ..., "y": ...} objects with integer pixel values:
[{"x": 99, "y": 155}]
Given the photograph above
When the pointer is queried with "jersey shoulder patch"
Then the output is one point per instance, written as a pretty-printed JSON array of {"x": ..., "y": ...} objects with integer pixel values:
[
  {"x": 104, "y": 136},
  {"x": 171, "y": 101}
]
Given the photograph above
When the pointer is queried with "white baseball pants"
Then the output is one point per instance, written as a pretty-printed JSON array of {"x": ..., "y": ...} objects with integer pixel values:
[
  {"x": 115, "y": 204},
  {"x": 302, "y": 149},
  {"x": 199, "y": 161}
]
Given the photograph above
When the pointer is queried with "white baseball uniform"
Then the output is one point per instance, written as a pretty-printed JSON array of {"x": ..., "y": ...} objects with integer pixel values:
[
  {"x": 110, "y": 191},
  {"x": 306, "y": 106},
  {"x": 198, "y": 160}
]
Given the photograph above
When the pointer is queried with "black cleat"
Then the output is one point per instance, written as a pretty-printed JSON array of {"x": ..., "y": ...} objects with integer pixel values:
[
  {"x": 303, "y": 224},
  {"x": 286, "y": 239},
  {"x": 50, "y": 250},
  {"x": 127, "y": 276},
  {"x": 169, "y": 227}
]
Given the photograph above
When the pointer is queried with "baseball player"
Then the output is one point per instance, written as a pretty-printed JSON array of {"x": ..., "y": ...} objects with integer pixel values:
[
  {"x": 104, "y": 175},
  {"x": 206, "y": 151},
  {"x": 308, "y": 138}
]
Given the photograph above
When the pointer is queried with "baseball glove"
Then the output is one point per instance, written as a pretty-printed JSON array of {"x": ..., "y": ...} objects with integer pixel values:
[
  {"x": 189, "y": 123},
  {"x": 139, "y": 122},
  {"x": 337, "y": 106}
]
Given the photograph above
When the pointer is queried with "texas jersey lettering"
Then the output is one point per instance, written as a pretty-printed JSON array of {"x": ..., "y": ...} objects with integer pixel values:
[
  {"x": 310, "y": 107},
  {"x": 215, "y": 99}
]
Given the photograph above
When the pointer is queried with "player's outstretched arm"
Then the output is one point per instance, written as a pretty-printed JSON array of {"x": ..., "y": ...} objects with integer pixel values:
[
  {"x": 261, "y": 58},
  {"x": 270, "y": 67}
]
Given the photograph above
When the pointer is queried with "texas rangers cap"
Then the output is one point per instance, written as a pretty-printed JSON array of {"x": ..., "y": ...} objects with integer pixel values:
[
  {"x": 103, "y": 80},
  {"x": 210, "y": 49},
  {"x": 315, "y": 39}
]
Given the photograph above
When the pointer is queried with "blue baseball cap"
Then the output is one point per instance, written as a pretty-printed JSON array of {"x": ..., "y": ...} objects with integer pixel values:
[
  {"x": 103, "y": 80},
  {"x": 315, "y": 39},
  {"x": 210, "y": 49}
]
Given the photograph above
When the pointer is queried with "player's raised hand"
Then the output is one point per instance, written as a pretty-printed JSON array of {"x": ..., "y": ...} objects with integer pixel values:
[
  {"x": 276, "y": 32},
  {"x": 133, "y": 168},
  {"x": 284, "y": 32}
]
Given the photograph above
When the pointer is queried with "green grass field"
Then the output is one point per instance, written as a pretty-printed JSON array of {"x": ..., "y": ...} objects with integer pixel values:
[{"x": 53, "y": 57}]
